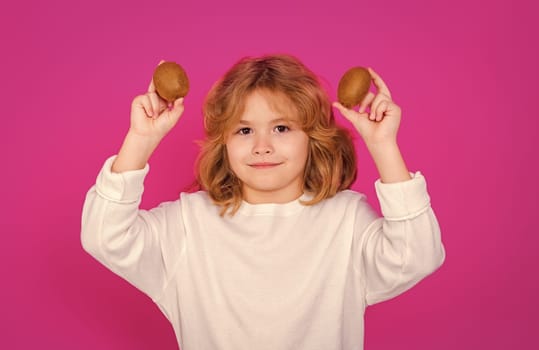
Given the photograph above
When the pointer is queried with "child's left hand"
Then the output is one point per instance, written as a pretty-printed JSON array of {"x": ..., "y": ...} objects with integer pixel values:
[{"x": 381, "y": 123}]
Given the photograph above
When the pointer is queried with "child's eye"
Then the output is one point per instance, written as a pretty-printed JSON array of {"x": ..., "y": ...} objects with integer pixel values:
[
  {"x": 281, "y": 128},
  {"x": 244, "y": 131}
]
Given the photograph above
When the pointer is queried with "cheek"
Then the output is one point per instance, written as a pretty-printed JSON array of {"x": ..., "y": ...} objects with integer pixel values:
[
  {"x": 235, "y": 152},
  {"x": 300, "y": 147}
]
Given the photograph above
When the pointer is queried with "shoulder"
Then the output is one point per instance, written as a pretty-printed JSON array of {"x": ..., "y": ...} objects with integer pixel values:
[
  {"x": 346, "y": 198},
  {"x": 199, "y": 198},
  {"x": 198, "y": 211},
  {"x": 198, "y": 203},
  {"x": 349, "y": 205}
]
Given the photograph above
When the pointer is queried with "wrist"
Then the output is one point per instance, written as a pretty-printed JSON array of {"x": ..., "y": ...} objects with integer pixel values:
[
  {"x": 382, "y": 146},
  {"x": 135, "y": 152},
  {"x": 142, "y": 141},
  {"x": 389, "y": 162}
]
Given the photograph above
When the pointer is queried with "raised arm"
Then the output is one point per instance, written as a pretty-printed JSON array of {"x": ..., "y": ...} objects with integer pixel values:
[
  {"x": 404, "y": 246},
  {"x": 139, "y": 245},
  {"x": 399, "y": 249}
]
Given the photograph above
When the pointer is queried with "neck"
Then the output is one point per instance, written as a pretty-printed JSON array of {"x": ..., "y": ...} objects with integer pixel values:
[{"x": 261, "y": 197}]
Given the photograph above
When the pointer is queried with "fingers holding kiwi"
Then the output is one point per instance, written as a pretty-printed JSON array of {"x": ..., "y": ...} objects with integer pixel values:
[{"x": 158, "y": 104}]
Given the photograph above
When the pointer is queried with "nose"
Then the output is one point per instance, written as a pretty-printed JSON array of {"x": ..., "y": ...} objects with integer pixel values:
[{"x": 262, "y": 146}]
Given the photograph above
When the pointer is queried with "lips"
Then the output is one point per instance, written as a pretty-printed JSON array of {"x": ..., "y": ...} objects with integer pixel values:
[{"x": 264, "y": 165}]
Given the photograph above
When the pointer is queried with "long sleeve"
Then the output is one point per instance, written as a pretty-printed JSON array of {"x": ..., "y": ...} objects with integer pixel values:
[
  {"x": 405, "y": 245},
  {"x": 141, "y": 246}
]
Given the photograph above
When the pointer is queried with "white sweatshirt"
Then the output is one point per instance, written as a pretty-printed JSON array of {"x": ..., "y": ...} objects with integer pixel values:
[{"x": 273, "y": 276}]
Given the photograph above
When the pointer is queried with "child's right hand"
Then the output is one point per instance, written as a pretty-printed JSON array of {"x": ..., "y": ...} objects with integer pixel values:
[{"x": 153, "y": 117}]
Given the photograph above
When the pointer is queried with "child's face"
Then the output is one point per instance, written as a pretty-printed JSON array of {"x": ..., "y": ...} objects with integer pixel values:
[{"x": 267, "y": 151}]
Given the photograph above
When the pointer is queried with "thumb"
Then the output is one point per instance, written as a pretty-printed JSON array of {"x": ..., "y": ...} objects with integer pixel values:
[
  {"x": 350, "y": 114},
  {"x": 360, "y": 121}
]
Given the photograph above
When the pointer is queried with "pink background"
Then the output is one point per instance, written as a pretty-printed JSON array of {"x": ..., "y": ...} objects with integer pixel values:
[{"x": 464, "y": 72}]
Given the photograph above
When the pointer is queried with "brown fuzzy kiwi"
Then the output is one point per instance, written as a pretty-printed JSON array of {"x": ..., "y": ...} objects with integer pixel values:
[
  {"x": 353, "y": 86},
  {"x": 170, "y": 81}
]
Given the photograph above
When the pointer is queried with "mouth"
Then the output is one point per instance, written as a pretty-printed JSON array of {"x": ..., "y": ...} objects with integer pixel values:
[{"x": 264, "y": 165}]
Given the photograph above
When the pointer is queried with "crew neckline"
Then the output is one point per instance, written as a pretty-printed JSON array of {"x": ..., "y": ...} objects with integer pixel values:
[{"x": 274, "y": 209}]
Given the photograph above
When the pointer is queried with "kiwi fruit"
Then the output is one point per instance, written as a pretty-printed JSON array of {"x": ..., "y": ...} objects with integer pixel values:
[
  {"x": 353, "y": 86},
  {"x": 170, "y": 81}
]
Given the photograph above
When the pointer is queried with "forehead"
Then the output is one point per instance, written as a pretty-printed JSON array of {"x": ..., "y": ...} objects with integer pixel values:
[{"x": 276, "y": 102}]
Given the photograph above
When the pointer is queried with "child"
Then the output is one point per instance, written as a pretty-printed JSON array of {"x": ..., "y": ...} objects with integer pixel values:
[{"x": 276, "y": 252}]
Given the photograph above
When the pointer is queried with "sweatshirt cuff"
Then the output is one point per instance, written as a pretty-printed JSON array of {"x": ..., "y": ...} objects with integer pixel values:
[
  {"x": 125, "y": 187},
  {"x": 403, "y": 200}
]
